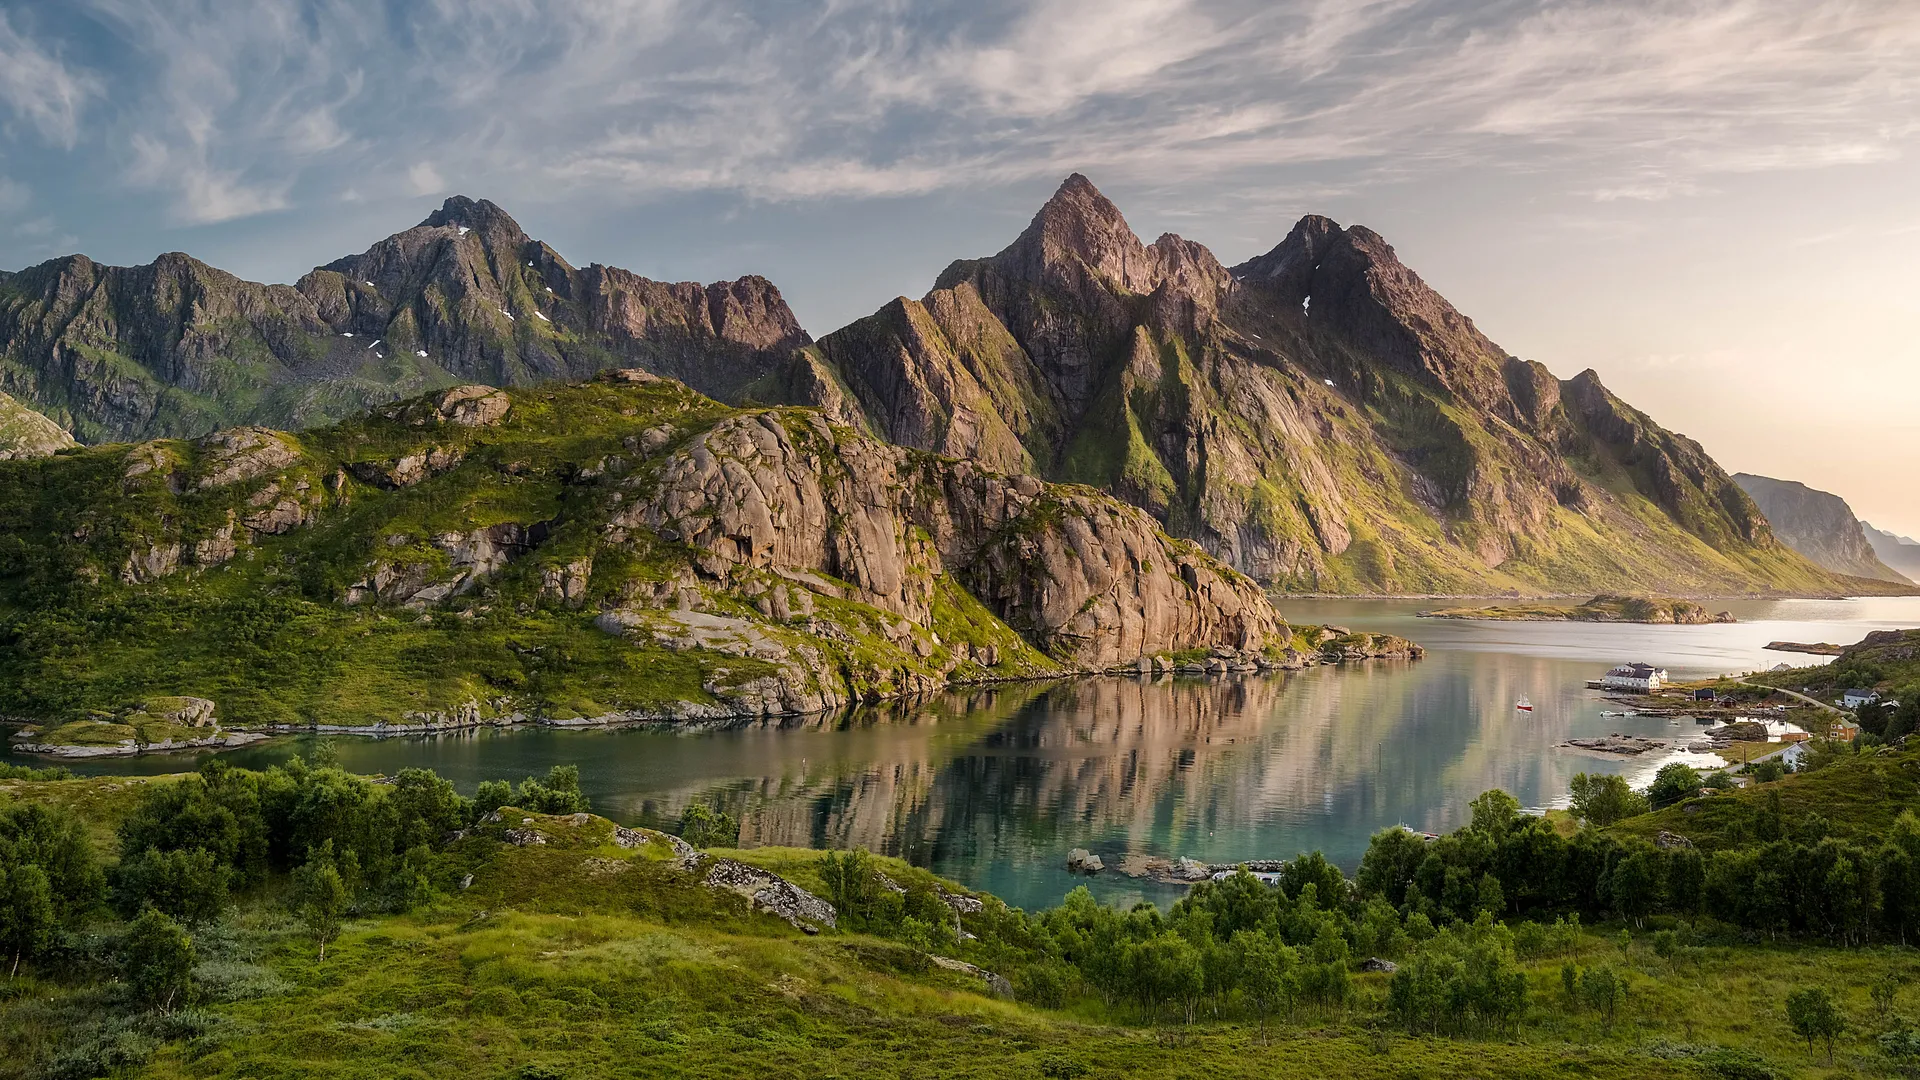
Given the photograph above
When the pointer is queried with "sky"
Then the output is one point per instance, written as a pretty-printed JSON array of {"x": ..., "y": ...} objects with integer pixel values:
[{"x": 1711, "y": 202}]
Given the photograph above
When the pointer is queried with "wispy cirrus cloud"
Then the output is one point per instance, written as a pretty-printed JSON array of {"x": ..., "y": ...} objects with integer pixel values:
[
  {"x": 40, "y": 87},
  {"x": 305, "y": 100}
]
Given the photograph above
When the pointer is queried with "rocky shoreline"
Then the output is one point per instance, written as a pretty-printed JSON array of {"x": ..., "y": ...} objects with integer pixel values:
[
  {"x": 1818, "y": 648},
  {"x": 1330, "y": 645},
  {"x": 224, "y": 740},
  {"x": 1164, "y": 871}
]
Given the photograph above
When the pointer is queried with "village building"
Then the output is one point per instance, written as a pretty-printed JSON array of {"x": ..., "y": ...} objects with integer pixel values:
[
  {"x": 1853, "y": 699},
  {"x": 1642, "y": 677}
]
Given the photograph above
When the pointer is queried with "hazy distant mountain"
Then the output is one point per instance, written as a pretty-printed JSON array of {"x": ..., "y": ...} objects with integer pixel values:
[
  {"x": 1899, "y": 552},
  {"x": 179, "y": 348},
  {"x": 1817, "y": 524},
  {"x": 1318, "y": 417}
]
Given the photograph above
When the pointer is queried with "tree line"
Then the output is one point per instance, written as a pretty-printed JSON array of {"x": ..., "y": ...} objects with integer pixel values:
[{"x": 335, "y": 842}]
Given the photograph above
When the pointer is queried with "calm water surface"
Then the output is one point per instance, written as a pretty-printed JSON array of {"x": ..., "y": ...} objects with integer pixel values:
[{"x": 993, "y": 787}]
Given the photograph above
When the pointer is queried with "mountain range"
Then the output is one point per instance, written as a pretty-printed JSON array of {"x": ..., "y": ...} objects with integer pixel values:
[{"x": 1316, "y": 417}]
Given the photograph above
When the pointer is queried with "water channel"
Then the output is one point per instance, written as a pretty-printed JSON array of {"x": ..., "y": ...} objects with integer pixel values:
[{"x": 993, "y": 787}]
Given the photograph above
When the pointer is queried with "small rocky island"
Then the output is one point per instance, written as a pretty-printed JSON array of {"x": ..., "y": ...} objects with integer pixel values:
[{"x": 1605, "y": 608}]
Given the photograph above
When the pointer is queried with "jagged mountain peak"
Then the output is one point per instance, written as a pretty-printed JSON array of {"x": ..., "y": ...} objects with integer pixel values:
[
  {"x": 481, "y": 215},
  {"x": 465, "y": 295},
  {"x": 1079, "y": 224}
]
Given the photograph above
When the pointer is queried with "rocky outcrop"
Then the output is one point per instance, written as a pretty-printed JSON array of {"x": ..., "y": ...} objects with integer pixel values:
[
  {"x": 242, "y": 454},
  {"x": 25, "y": 433},
  {"x": 1088, "y": 579},
  {"x": 629, "y": 550},
  {"x": 1817, "y": 524},
  {"x": 461, "y": 406},
  {"x": 768, "y": 892},
  {"x": 466, "y": 559}
]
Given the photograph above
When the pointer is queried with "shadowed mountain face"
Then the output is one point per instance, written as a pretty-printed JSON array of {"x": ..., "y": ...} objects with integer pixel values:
[
  {"x": 1901, "y": 553},
  {"x": 1817, "y": 524},
  {"x": 179, "y": 348},
  {"x": 1317, "y": 416}
]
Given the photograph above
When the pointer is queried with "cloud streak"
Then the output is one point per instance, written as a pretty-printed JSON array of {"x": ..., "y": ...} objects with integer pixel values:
[
  {"x": 303, "y": 100},
  {"x": 40, "y": 88}
]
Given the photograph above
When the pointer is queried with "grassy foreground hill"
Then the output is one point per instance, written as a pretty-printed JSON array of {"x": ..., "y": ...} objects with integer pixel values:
[{"x": 517, "y": 943}]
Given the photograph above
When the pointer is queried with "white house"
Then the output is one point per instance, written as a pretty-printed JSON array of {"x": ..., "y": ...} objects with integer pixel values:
[
  {"x": 1853, "y": 699},
  {"x": 1642, "y": 677}
]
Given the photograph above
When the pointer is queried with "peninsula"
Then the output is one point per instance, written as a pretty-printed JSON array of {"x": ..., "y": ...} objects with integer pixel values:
[{"x": 1605, "y": 608}]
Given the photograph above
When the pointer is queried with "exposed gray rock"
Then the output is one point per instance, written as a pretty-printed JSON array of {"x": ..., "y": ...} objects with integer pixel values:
[
  {"x": 771, "y": 893},
  {"x": 408, "y": 469},
  {"x": 157, "y": 561},
  {"x": 997, "y": 985},
  {"x": 474, "y": 406},
  {"x": 1087, "y": 578},
  {"x": 245, "y": 453}
]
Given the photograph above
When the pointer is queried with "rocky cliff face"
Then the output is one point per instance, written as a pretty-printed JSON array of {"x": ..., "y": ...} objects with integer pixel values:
[
  {"x": 178, "y": 348},
  {"x": 1817, "y": 524},
  {"x": 25, "y": 433},
  {"x": 620, "y": 549},
  {"x": 1317, "y": 417},
  {"x": 1091, "y": 581}
]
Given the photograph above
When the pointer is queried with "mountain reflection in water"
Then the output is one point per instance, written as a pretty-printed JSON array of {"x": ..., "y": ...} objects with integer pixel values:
[{"x": 993, "y": 786}]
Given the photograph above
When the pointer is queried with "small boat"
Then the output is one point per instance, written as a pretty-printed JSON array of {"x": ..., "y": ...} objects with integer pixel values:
[{"x": 1523, "y": 704}]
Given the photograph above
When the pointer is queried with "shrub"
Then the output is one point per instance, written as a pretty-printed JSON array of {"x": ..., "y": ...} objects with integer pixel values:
[
  {"x": 704, "y": 826},
  {"x": 158, "y": 958},
  {"x": 1604, "y": 798},
  {"x": 188, "y": 885},
  {"x": 1814, "y": 1014}
]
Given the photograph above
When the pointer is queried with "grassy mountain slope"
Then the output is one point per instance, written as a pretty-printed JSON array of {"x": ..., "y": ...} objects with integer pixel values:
[
  {"x": 618, "y": 549},
  {"x": 1317, "y": 417},
  {"x": 25, "y": 433}
]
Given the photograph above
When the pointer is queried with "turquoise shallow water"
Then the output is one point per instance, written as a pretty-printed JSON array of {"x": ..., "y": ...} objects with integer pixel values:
[{"x": 993, "y": 787}]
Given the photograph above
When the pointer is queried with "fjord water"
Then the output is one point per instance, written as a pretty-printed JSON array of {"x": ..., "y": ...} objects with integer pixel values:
[{"x": 992, "y": 787}]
